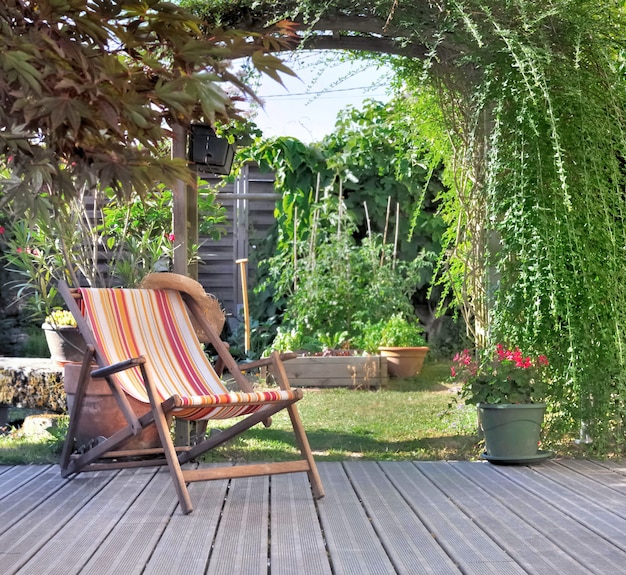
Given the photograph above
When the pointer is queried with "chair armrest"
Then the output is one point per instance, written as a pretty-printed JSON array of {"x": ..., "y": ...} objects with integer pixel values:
[
  {"x": 121, "y": 366},
  {"x": 246, "y": 366}
]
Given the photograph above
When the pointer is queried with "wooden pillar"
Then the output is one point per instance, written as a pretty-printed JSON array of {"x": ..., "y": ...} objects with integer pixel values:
[
  {"x": 185, "y": 228},
  {"x": 179, "y": 207},
  {"x": 193, "y": 236}
]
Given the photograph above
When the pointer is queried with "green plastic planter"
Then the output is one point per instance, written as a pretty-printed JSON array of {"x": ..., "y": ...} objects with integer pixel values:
[{"x": 511, "y": 430}]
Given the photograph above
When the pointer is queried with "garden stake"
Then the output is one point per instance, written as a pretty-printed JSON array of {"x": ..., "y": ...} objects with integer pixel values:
[
  {"x": 382, "y": 255},
  {"x": 244, "y": 292},
  {"x": 395, "y": 243}
]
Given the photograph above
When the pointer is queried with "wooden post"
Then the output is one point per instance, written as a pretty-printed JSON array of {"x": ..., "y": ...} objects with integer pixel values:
[
  {"x": 193, "y": 235},
  {"x": 244, "y": 294},
  {"x": 185, "y": 228},
  {"x": 179, "y": 208}
]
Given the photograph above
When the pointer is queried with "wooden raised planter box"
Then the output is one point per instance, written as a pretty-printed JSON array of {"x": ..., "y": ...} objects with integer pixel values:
[{"x": 337, "y": 371}]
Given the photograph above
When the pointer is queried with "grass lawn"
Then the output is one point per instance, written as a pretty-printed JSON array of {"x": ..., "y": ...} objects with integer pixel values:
[{"x": 409, "y": 419}]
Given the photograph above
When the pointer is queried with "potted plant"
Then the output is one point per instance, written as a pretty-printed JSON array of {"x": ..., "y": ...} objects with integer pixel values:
[
  {"x": 508, "y": 388},
  {"x": 400, "y": 340},
  {"x": 65, "y": 342}
]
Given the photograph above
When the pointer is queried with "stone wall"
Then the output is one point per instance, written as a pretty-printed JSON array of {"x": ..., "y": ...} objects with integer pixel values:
[{"x": 32, "y": 383}]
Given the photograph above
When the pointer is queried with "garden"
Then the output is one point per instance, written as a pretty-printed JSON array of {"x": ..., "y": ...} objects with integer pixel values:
[{"x": 483, "y": 207}]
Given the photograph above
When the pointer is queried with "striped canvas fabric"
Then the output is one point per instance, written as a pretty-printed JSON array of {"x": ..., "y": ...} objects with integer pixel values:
[{"x": 154, "y": 323}]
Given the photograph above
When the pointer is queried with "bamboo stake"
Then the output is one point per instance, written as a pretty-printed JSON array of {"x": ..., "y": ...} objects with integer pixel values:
[
  {"x": 295, "y": 247},
  {"x": 339, "y": 209},
  {"x": 382, "y": 255},
  {"x": 367, "y": 219},
  {"x": 369, "y": 234},
  {"x": 395, "y": 243},
  {"x": 317, "y": 187},
  {"x": 316, "y": 214}
]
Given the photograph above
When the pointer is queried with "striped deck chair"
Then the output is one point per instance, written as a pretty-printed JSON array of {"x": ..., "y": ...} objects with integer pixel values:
[{"x": 145, "y": 347}]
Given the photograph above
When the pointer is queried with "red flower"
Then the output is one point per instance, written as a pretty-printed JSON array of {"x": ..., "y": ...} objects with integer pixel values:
[
  {"x": 171, "y": 237},
  {"x": 1, "y": 230},
  {"x": 506, "y": 376}
]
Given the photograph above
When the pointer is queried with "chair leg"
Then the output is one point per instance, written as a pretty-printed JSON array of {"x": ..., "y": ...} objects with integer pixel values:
[
  {"x": 168, "y": 447},
  {"x": 305, "y": 449},
  {"x": 301, "y": 438}
]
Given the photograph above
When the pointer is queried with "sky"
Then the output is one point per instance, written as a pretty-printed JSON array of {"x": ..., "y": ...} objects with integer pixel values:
[{"x": 306, "y": 107}]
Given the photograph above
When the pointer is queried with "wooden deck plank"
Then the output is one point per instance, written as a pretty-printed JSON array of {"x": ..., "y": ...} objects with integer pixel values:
[
  {"x": 352, "y": 542},
  {"x": 389, "y": 517},
  {"x": 187, "y": 541},
  {"x": 295, "y": 535},
  {"x": 73, "y": 546},
  {"x": 526, "y": 544},
  {"x": 573, "y": 538},
  {"x": 464, "y": 541},
  {"x": 241, "y": 544},
  {"x": 411, "y": 547},
  {"x": 569, "y": 493},
  {"x": 611, "y": 477},
  {"x": 15, "y": 477},
  {"x": 597, "y": 485},
  {"x": 23, "y": 540},
  {"x": 131, "y": 542},
  {"x": 32, "y": 485},
  {"x": 5, "y": 468},
  {"x": 617, "y": 466}
]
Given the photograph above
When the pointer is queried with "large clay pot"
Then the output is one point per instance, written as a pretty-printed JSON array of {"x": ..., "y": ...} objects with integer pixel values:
[
  {"x": 404, "y": 361},
  {"x": 101, "y": 416}
]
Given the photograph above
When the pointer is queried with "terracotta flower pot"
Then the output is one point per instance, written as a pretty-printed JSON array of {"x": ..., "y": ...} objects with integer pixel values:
[
  {"x": 66, "y": 344},
  {"x": 101, "y": 416},
  {"x": 404, "y": 361}
]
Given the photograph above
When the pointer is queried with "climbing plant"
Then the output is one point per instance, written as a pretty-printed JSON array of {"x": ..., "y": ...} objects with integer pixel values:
[{"x": 536, "y": 206}]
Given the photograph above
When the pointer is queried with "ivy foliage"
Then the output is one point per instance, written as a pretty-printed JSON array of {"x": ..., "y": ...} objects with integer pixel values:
[{"x": 537, "y": 206}]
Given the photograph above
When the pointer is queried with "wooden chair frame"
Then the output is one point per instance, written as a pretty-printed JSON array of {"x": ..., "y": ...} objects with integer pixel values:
[{"x": 106, "y": 455}]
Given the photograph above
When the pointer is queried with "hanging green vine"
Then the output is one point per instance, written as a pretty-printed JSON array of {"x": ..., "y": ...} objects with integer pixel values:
[{"x": 537, "y": 205}]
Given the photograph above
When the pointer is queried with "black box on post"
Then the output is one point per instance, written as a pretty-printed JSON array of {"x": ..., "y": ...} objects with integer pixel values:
[{"x": 207, "y": 149}]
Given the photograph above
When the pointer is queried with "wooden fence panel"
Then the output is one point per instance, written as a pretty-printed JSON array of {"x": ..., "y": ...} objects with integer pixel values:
[{"x": 250, "y": 202}]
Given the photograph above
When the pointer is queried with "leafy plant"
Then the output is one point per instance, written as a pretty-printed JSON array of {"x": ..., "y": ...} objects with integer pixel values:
[
  {"x": 293, "y": 339},
  {"x": 61, "y": 318},
  {"x": 133, "y": 237},
  {"x": 369, "y": 336},
  {"x": 395, "y": 331},
  {"x": 398, "y": 331},
  {"x": 506, "y": 377},
  {"x": 344, "y": 286}
]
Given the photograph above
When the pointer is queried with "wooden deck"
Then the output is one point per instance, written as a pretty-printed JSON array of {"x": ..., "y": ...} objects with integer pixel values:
[{"x": 559, "y": 517}]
